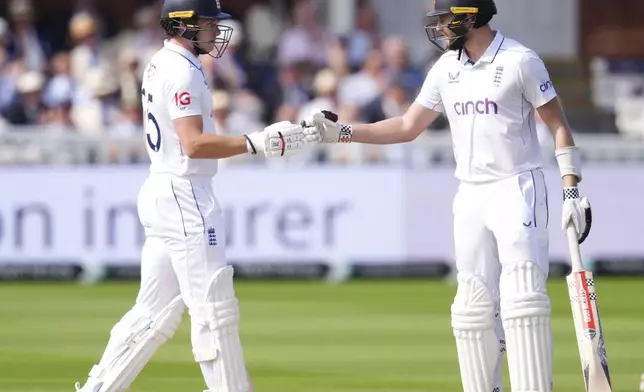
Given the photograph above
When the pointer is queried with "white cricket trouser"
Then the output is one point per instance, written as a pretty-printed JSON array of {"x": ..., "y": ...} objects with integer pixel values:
[
  {"x": 497, "y": 226},
  {"x": 184, "y": 248},
  {"x": 185, "y": 239},
  {"x": 501, "y": 223}
]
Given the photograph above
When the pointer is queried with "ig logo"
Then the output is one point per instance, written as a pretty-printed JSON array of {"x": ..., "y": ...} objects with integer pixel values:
[{"x": 182, "y": 99}]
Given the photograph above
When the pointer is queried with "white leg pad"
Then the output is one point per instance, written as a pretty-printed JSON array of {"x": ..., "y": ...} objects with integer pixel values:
[
  {"x": 142, "y": 338},
  {"x": 221, "y": 348},
  {"x": 525, "y": 310},
  {"x": 478, "y": 347}
]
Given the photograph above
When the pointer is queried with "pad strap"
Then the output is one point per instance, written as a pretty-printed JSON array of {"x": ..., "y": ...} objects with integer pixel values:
[{"x": 222, "y": 318}]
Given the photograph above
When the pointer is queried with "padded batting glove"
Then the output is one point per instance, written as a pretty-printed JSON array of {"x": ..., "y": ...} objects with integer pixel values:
[
  {"x": 576, "y": 212},
  {"x": 279, "y": 139},
  {"x": 324, "y": 124}
]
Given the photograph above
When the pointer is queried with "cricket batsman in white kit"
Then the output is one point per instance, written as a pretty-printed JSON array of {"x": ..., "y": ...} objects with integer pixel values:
[
  {"x": 183, "y": 260},
  {"x": 489, "y": 87}
]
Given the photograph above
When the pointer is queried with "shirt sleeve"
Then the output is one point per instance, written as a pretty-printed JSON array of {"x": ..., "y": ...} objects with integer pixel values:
[
  {"x": 184, "y": 94},
  {"x": 535, "y": 81},
  {"x": 429, "y": 95}
]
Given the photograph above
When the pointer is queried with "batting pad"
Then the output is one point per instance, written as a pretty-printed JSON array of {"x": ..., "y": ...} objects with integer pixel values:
[
  {"x": 525, "y": 310},
  {"x": 220, "y": 346},
  {"x": 142, "y": 337},
  {"x": 477, "y": 345}
]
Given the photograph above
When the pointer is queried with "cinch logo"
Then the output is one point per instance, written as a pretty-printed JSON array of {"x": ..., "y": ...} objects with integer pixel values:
[
  {"x": 476, "y": 107},
  {"x": 546, "y": 86}
]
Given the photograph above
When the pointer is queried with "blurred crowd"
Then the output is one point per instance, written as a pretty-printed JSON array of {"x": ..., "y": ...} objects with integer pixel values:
[{"x": 277, "y": 67}]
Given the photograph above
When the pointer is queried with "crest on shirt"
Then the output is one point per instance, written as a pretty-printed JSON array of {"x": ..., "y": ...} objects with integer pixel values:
[
  {"x": 453, "y": 77},
  {"x": 498, "y": 76},
  {"x": 212, "y": 237},
  {"x": 151, "y": 70}
]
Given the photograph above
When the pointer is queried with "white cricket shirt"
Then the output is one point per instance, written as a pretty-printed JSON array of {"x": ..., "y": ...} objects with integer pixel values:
[
  {"x": 173, "y": 87},
  {"x": 490, "y": 106}
]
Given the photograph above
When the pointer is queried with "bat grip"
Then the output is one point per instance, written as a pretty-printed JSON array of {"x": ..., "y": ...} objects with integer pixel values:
[{"x": 573, "y": 245}]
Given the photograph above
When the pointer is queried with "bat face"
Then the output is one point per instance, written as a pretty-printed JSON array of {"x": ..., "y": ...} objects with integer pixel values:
[{"x": 590, "y": 339}]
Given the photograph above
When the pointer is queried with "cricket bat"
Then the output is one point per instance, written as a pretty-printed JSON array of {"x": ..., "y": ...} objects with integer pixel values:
[{"x": 585, "y": 313}]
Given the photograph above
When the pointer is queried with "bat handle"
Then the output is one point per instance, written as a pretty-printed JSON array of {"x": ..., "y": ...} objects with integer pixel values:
[{"x": 575, "y": 252}]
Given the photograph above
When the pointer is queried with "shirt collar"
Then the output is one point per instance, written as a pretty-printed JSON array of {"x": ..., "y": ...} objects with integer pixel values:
[
  {"x": 183, "y": 52},
  {"x": 490, "y": 52}
]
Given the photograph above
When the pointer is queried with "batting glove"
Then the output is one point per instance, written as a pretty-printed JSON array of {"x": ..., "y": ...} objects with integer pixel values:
[
  {"x": 279, "y": 139},
  {"x": 576, "y": 212},
  {"x": 325, "y": 125}
]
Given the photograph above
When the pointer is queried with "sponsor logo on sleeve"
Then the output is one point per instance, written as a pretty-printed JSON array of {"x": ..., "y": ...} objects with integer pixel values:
[
  {"x": 182, "y": 100},
  {"x": 546, "y": 86}
]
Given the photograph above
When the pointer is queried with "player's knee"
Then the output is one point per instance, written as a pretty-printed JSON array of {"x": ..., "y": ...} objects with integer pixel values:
[
  {"x": 218, "y": 315},
  {"x": 137, "y": 316},
  {"x": 473, "y": 307},
  {"x": 523, "y": 291}
]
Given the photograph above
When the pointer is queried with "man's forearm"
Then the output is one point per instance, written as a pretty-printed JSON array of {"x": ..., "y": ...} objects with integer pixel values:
[
  {"x": 390, "y": 131},
  {"x": 208, "y": 146}
]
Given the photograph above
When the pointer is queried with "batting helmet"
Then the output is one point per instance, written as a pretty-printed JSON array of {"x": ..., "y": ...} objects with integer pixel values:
[
  {"x": 460, "y": 17},
  {"x": 181, "y": 18}
]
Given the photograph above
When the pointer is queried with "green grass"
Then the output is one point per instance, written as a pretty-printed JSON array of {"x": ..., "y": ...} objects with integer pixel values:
[{"x": 375, "y": 336}]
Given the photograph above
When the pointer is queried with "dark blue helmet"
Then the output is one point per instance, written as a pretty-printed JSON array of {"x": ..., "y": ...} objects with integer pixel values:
[
  {"x": 460, "y": 17},
  {"x": 181, "y": 18},
  {"x": 206, "y": 9}
]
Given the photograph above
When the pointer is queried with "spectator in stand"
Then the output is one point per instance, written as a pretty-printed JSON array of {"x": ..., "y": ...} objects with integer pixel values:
[
  {"x": 264, "y": 29},
  {"x": 58, "y": 115},
  {"x": 338, "y": 60},
  {"x": 61, "y": 87},
  {"x": 100, "y": 108},
  {"x": 28, "y": 109},
  {"x": 86, "y": 54},
  {"x": 130, "y": 78},
  {"x": 129, "y": 122},
  {"x": 398, "y": 66},
  {"x": 359, "y": 89},
  {"x": 393, "y": 102},
  {"x": 59, "y": 94},
  {"x": 248, "y": 111},
  {"x": 127, "y": 127},
  {"x": 306, "y": 41},
  {"x": 27, "y": 44},
  {"x": 364, "y": 38},
  {"x": 292, "y": 93},
  {"x": 7, "y": 80},
  {"x": 148, "y": 36},
  {"x": 325, "y": 86}
]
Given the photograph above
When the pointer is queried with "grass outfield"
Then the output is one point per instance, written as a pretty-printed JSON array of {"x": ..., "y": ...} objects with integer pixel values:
[{"x": 375, "y": 336}]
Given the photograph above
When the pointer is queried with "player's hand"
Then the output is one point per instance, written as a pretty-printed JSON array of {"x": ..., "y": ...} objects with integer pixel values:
[
  {"x": 576, "y": 212},
  {"x": 279, "y": 139},
  {"x": 324, "y": 124}
]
